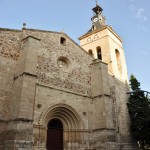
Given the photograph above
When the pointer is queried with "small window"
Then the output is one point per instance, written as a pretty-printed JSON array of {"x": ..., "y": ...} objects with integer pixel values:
[
  {"x": 63, "y": 41},
  {"x": 93, "y": 27},
  {"x": 90, "y": 52},
  {"x": 99, "y": 53}
]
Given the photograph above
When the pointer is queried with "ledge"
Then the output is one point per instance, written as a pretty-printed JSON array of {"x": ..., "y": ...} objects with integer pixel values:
[
  {"x": 31, "y": 37},
  {"x": 25, "y": 73}
]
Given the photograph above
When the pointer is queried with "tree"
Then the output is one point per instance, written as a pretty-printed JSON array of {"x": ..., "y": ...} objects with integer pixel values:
[{"x": 139, "y": 110}]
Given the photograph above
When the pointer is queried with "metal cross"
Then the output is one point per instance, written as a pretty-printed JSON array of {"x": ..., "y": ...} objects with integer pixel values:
[{"x": 96, "y": 2}]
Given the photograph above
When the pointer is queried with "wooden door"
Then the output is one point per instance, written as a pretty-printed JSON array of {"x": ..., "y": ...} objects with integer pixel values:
[{"x": 55, "y": 135}]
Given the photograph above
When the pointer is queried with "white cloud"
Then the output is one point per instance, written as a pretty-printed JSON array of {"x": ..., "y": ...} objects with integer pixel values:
[
  {"x": 142, "y": 27},
  {"x": 140, "y": 14}
]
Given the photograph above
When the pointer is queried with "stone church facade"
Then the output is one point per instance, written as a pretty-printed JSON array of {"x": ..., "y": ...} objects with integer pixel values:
[{"x": 57, "y": 95}]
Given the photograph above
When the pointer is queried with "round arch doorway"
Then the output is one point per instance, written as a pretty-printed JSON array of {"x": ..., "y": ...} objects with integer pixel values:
[{"x": 55, "y": 135}]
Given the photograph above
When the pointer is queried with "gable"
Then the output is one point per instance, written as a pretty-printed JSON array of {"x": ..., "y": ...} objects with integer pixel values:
[
  {"x": 65, "y": 67},
  {"x": 61, "y": 66}
]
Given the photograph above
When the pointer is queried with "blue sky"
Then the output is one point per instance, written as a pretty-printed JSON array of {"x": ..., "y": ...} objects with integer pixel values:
[{"x": 129, "y": 18}]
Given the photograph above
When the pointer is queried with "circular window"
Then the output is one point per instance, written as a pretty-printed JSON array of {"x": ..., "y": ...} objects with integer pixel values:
[{"x": 63, "y": 63}]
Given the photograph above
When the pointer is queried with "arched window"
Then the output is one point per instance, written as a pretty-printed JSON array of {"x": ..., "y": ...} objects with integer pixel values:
[
  {"x": 90, "y": 52},
  {"x": 92, "y": 27},
  {"x": 63, "y": 41},
  {"x": 99, "y": 52},
  {"x": 118, "y": 61}
]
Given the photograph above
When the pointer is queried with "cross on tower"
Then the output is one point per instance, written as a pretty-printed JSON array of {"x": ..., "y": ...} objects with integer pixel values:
[{"x": 96, "y": 2}]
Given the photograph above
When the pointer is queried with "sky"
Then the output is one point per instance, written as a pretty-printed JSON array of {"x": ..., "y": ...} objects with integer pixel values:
[{"x": 129, "y": 18}]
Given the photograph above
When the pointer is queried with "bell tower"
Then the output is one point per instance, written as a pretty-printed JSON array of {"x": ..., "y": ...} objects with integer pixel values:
[{"x": 103, "y": 43}]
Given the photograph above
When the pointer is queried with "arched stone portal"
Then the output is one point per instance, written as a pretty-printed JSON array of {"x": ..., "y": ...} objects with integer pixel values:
[
  {"x": 65, "y": 122},
  {"x": 54, "y": 135}
]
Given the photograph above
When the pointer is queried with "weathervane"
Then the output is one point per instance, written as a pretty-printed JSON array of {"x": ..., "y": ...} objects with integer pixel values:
[{"x": 96, "y": 2}]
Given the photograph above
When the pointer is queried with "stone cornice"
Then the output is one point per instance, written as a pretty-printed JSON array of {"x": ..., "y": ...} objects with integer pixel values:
[
  {"x": 101, "y": 29},
  {"x": 31, "y": 37}
]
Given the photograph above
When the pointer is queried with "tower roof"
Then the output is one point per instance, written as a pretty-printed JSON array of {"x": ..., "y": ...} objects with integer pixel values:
[{"x": 97, "y": 9}]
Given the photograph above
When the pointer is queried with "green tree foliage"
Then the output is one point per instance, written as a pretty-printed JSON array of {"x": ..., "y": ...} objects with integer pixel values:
[{"x": 139, "y": 110}]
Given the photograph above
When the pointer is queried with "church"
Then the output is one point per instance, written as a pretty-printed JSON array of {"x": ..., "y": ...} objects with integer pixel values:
[{"x": 58, "y": 95}]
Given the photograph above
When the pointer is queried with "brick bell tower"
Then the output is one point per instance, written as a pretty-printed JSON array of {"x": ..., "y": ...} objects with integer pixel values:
[{"x": 103, "y": 43}]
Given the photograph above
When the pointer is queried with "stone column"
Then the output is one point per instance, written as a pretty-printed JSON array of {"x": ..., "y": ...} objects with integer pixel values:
[
  {"x": 103, "y": 130},
  {"x": 20, "y": 128}
]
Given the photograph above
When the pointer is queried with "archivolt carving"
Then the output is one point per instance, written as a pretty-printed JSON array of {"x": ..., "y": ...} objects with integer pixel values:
[{"x": 63, "y": 112}]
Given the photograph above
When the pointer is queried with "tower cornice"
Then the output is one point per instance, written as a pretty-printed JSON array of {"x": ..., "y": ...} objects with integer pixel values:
[{"x": 100, "y": 29}]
